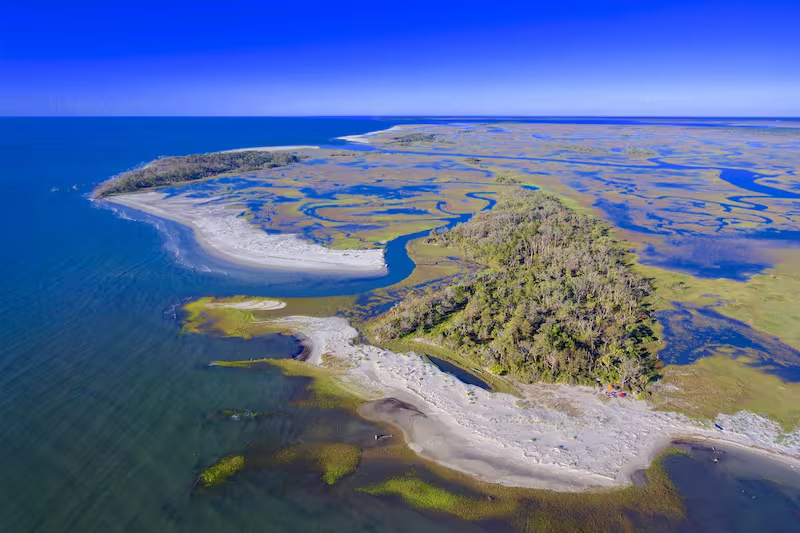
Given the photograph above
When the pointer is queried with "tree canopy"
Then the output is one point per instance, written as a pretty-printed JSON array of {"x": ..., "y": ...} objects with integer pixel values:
[
  {"x": 412, "y": 138},
  {"x": 170, "y": 170},
  {"x": 556, "y": 299}
]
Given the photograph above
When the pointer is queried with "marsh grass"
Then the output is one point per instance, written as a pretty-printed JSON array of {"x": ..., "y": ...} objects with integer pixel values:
[
  {"x": 337, "y": 461},
  {"x": 333, "y": 460},
  {"x": 221, "y": 470},
  {"x": 722, "y": 384},
  {"x": 768, "y": 302},
  {"x": 326, "y": 388},
  {"x": 209, "y": 315},
  {"x": 432, "y": 263},
  {"x": 532, "y": 510},
  {"x": 202, "y": 318}
]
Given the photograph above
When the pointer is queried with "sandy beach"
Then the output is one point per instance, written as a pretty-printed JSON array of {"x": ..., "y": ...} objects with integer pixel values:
[
  {"x": 256, "y": 304},
  {"x": 556, "y": 437},
  {"x": 364, "y": 138},
  {"x": 223, "y": 233}
]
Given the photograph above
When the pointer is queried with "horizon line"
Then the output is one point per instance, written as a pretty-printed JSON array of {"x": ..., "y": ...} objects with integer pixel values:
[{"x": 448, "y": 116}]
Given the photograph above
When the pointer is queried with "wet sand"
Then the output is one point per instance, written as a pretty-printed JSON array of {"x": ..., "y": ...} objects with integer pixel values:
[
  {"x": 555, "y": 437},
  {"x": 224, "y": 234}
]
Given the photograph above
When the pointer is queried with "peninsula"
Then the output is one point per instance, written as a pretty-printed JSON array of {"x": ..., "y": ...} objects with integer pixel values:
[
  {"x": 548, "y": 298},
  {"x": 219, "y": 227},
  {"x": 556, "y": 317}
]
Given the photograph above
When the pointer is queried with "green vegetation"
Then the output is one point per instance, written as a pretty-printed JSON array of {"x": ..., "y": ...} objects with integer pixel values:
[
  {"x": 221, "y": 316},
  {"x": 426, "y": 347},
  {"x": 206, "y": 314},
  {"x": 418, "y": 138},
  {"x": 722, "y": 384},
  {"x": 171, "y": 170},
  {"x": 222, "y": 469},
  {"x": 541, "y": 510},
  {"x": 772, "y": 130},
  {"x": 326, "y": 386},
  {"x": 555, "y": 301},
  {"x": 337, "y": 461},
  {"x": 496, "y": 369},
  {"x": 580, "y": 148},
  {"x": 767, "y": 302},
  {"x": 422, "y": 495},
  {"x": 507, "y": 178},
  {"x": 250, "y": 363},
  {"x": 641, "y": 152},
  {"x": 327, "y": 390}
]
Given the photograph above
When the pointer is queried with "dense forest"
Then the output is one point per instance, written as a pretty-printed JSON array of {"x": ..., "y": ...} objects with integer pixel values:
[
  {"x": 555, "y": 301},
  {"x": 413, "y": 138},
  {"x": 171, "y": 170}
]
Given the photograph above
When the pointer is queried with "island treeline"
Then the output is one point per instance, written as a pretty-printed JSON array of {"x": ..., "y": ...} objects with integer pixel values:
[
  {"x": 556, "y": 300},
  {"x": 171, "y": 170},
  {"x": 414, "y": 138}
]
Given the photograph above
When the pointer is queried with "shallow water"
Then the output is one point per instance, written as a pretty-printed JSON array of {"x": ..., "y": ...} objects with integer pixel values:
[
  {"x": 108, "y": 412},
  {"x": 741, "y": 493},
  {"x": 692, "y": 333},
  {"x": 458, "y": 372}
]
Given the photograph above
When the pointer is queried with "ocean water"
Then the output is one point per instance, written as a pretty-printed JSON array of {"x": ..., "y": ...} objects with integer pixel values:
[{"x": 108, "y": 412}]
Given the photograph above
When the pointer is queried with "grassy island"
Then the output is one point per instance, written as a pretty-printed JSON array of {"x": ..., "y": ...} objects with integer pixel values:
[
  {"x": 418, "y": 138},
  {"x": 171, "y": 170},
  {"x": 556, "y": 299},
  {"x": 221, "y": 470}
]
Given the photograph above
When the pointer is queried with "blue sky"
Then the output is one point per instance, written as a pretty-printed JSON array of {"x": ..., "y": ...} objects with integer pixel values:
[{"x": 407, "y": 57}]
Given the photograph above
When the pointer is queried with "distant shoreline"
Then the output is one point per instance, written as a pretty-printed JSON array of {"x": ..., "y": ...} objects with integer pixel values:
[
  {"x": 235, "y": 241},
  {"x": 269, "y": 149},
  {"x": 363, "y": 138}
]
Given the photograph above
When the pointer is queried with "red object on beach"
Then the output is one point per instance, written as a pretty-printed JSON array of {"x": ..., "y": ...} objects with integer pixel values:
[{"x": 621, "y": 394}]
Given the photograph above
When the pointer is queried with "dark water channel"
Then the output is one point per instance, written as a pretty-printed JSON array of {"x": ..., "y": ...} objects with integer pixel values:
[{"x": 458, "y": 372}]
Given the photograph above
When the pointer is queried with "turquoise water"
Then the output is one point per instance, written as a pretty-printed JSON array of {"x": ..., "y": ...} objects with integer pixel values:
[{"x": 108, "y": 412}]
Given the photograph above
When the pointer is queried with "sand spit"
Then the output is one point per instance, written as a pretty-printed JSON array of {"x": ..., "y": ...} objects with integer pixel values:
[
  {"x": 222, "y": 232},
  {"x": 557, "y": 437},
  {"x": 364, "y": 138},
  {"x": 270, "y": 149},
  {"x": 251, "y": 305}
]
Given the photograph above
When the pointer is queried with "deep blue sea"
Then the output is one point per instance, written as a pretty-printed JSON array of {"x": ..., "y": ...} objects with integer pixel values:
[{"x": 108, "y": 412}]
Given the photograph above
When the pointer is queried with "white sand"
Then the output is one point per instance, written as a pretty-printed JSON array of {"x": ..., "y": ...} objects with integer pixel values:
[
  {"x": 221, "y": 232},
  {"x": 271, "y": 149},
  {"x": 252, "y": 305},
  {"x": 583, "y": 439},
  {"x": 364, "y": 138}
]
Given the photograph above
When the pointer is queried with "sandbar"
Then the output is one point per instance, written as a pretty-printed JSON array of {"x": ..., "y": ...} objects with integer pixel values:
[
  {"x": 364, "y": 138},
  {"x": 223, "y": 233},
  {"x": 251, "y": 305},
  {"x": 556, "y": 437}
]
